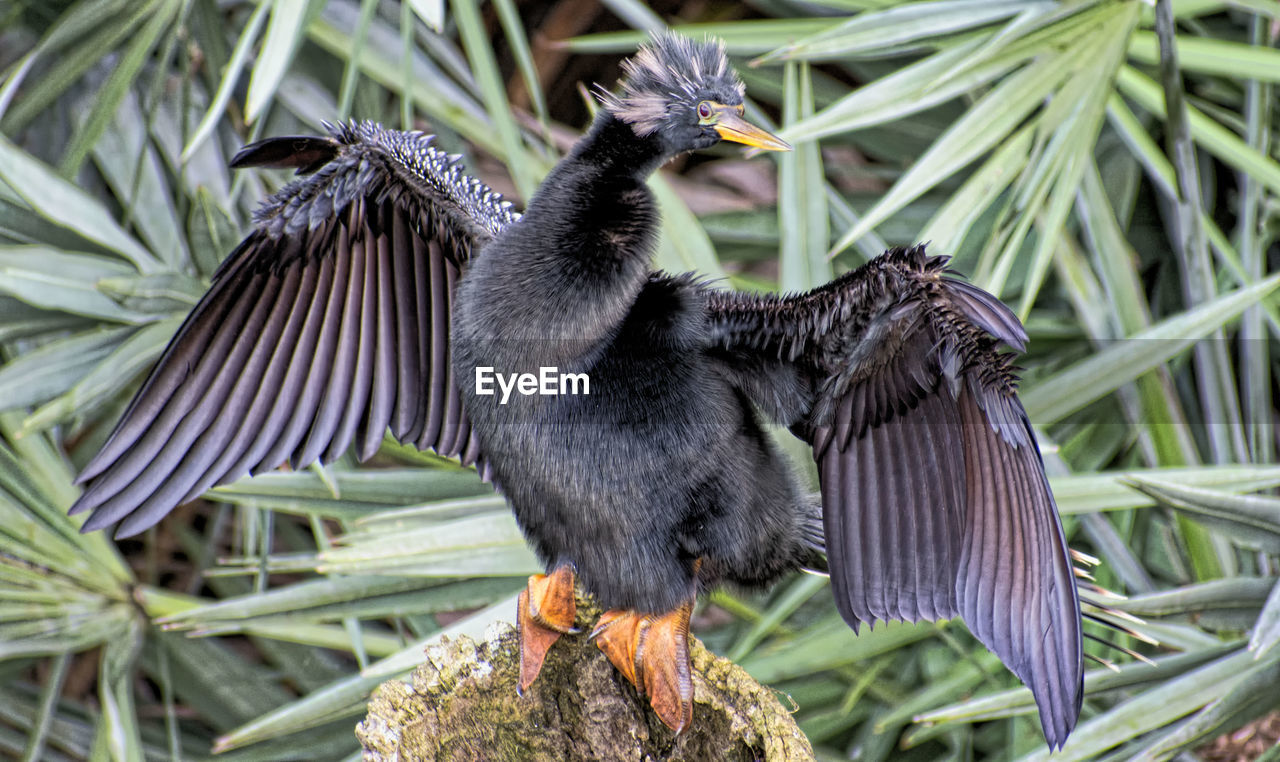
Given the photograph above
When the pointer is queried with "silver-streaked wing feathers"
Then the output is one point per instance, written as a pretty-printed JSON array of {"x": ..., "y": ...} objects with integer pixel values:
[
  {"x": 934, "y": 496},
  {"x": 327, "y": 325}
]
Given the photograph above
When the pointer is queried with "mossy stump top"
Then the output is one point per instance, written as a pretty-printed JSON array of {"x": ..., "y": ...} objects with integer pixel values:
[{"x": 462, "y": 705}]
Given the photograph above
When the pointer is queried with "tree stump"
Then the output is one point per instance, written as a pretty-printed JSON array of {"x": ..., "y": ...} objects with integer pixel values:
[{"x": 462, "y": 705}]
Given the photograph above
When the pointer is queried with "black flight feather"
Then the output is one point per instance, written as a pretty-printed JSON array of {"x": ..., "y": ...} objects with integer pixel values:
[
  {"x": 326, "y": 324},
  {"x": 935, "y": 501}
]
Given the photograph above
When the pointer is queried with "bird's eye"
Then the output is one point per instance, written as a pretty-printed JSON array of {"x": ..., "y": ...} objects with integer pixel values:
[{"x": 705, "y": 111}]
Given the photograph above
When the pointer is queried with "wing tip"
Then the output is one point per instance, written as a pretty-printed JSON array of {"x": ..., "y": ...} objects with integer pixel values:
[
  {"x": 1059, "y": 723},
  {"x": 139, "y": 521},
  {"x": 302, "y": 153},
  {"x": 97, "y": 520},
  {"x": 987, "y": 312},
  {"x": 78, "y": 507},
  {"x": 131, "y": 521}
]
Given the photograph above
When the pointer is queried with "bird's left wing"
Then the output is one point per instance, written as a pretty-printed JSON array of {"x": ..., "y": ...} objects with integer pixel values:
[
  {"x": 329, "y": 323},
  {"x": 935, "y": 501}
]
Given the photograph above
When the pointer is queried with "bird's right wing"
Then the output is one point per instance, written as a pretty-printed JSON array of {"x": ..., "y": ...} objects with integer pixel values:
[{"x": 329, "y": 323}]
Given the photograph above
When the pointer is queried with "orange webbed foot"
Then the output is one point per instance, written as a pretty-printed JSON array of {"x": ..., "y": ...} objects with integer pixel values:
[
  {"x": 652, "y": 652},
  {"x": 544, "y": 611}
]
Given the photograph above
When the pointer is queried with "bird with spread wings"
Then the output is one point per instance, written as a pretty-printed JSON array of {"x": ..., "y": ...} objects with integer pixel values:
[{"x": 373, "y": 286}]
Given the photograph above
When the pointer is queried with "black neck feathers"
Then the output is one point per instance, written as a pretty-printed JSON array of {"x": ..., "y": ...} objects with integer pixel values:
[
  {"x": 595, "y": 207},
  {"x": 613, "y": 147}
]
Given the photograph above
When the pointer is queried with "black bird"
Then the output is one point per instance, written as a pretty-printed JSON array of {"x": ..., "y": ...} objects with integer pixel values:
[{"x": 371, "y": 291}]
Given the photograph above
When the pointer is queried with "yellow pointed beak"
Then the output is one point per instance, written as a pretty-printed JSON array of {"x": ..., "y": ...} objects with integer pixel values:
[{"x": 732, "y": 126}]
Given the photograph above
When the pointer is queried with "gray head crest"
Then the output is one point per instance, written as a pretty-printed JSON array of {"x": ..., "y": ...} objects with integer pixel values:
[{"x": 671, "y": 70}]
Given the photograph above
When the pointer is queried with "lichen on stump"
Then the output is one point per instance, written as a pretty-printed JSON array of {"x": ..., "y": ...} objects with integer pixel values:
[{"x": 462, "y": 705}]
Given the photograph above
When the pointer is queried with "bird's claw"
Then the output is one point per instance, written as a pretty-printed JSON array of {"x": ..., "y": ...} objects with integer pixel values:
[
  {"x": 652, "y": 652},
  {"x": 544, "y": 611}
]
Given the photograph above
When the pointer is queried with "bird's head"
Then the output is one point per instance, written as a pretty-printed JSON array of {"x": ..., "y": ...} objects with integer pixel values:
[{"x": 686, "y": 93}]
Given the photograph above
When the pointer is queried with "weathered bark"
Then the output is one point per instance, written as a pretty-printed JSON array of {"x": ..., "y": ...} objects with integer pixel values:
[{"x": 462, "y": 705}]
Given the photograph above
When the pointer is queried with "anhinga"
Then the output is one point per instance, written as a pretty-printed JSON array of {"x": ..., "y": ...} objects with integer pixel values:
[{"x": 371, "y": 290}]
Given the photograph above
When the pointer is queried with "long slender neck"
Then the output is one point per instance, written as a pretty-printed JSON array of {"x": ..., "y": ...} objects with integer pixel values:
[
  {"x": 572, "y": 266},
  {"x": 594, "y": 207},
  {"x": 613, "y": 148},
  {"x": 603, "y": 165}
]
